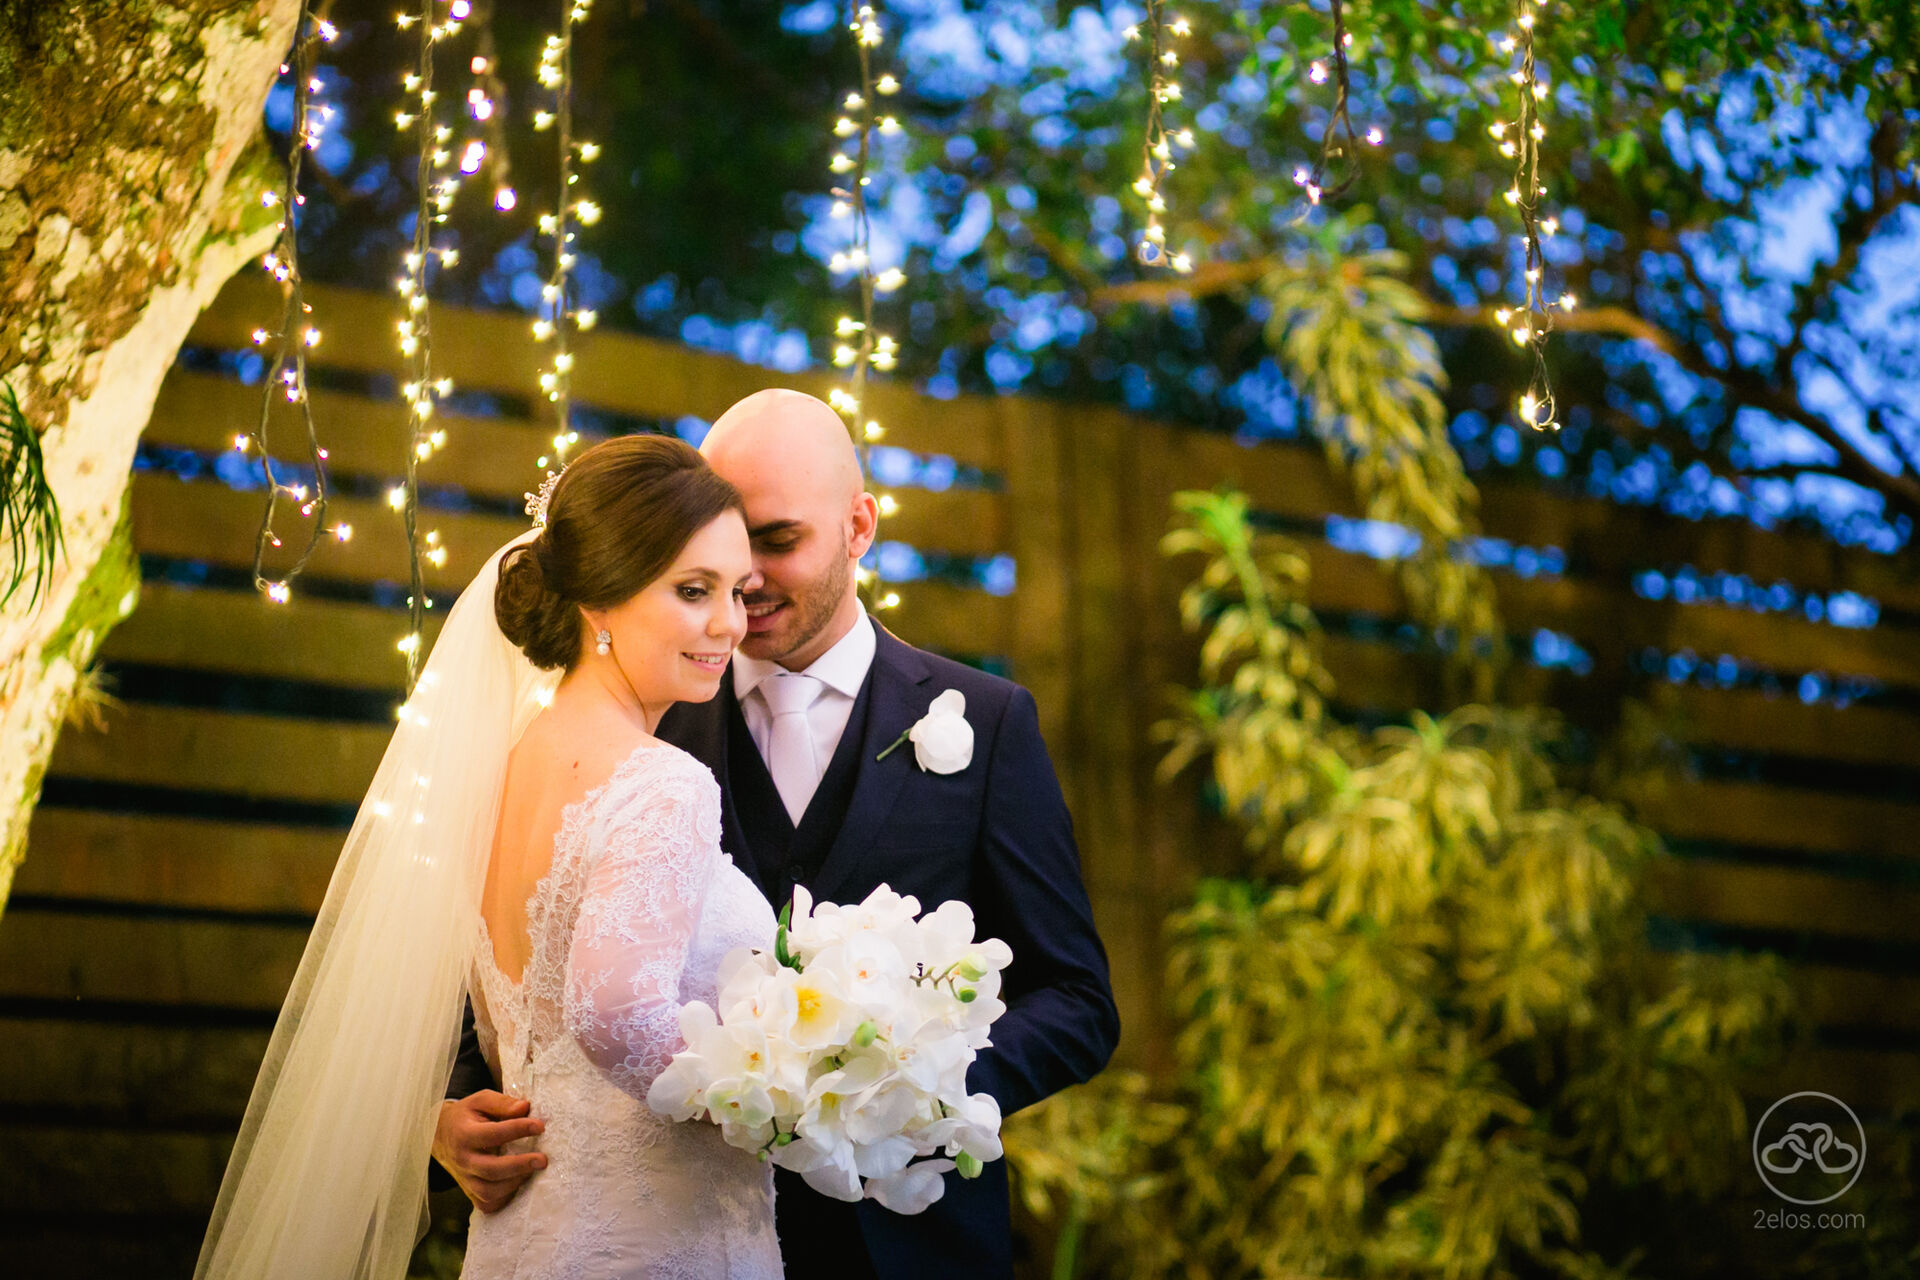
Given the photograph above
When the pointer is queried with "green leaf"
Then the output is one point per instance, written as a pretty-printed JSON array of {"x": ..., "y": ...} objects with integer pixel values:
[{"x": 29, "y": 511}]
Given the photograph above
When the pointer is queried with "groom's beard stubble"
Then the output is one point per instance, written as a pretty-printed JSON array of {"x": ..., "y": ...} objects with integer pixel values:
[{"x": 807, "y": 613}]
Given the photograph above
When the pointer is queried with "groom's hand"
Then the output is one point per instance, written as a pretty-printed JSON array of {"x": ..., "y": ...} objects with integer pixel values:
[{"x": 467, "y": 1139}]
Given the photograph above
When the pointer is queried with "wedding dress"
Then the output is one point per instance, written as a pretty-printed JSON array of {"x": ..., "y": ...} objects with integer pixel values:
[
  {"x": 632, "y": 920},
  {"x": 327, "y": 1180}
]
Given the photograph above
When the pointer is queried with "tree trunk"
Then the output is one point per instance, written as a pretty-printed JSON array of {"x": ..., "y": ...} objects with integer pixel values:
[{"x": 131, "y": 167}]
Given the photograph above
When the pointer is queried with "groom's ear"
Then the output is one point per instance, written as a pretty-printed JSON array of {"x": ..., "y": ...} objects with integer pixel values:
[{"x": 863, "y": 521}]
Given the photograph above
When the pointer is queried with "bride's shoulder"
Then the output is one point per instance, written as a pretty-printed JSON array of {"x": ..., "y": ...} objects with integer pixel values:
[{"x": 658, "y": 776}]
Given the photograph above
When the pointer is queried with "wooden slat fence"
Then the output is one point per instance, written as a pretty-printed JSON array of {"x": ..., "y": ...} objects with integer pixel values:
[{"x": 176, "y": 861}]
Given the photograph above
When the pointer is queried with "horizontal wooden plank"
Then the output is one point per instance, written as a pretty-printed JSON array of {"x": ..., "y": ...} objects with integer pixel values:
[
  {"x": 108, "y": 1171},
  {"x": 85, "y": 855},
  {"x": 82, "y": 957},
  {"x": 1748, "y": 720},
  {"x": 307, "y": 639},
  {"x": 644, "y": 377},
  {"x": 491, "y": 457},
  {"x": 1607, "y": 539},
  {"x": 1744, "y": 813},
  {"x": 963, "y": 522},
  {"x": 326, "y": 761},
  {"x": 56, "y": 1243},
  {"x": 1615, "y": 539},
  {"x": 319, "y": 761},
  {"x": 1768, "y": 897},
  {"x": 107, "y": 1074},
  {"x": 1283, "y": 479},
  {"x": 1606, "y": 619},
  {"x": 333, "y": 642},
  {"x": 1874, "y": 1080},
  {"x": 952, "y": 619},
  {"x": 1856, "y": 999},
  {"x": 1377, "y": 676},
  {"x": 205, "y": 520}
]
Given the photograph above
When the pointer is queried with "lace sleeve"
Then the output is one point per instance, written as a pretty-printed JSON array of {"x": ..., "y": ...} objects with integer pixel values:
[{"x": 642, "y": 901}]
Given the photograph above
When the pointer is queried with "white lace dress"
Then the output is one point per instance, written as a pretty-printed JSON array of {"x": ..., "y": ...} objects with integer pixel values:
[{"x": 632, "y": 920}]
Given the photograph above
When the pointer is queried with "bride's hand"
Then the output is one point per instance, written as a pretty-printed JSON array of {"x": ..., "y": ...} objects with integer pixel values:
[{"x": 467, "y": 1139}]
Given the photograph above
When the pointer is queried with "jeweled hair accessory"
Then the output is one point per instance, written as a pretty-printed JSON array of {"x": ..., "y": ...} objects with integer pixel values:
[{"x": 537, "y": 502}]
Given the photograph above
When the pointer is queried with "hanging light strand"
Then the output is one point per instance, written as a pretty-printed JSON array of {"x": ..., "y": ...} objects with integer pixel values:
[
  {"x": 859, "y": 348},
  {"x": 559, "y": 319},
  {"x": 1335, "y": 171},
  {"x": 286, "y": 377},
  {"x": 1156, "y": 147},
  {"x": 435, "y": 187},
  {"x": 1519, "y": 140},
  {"x": 487, "y": 108}
]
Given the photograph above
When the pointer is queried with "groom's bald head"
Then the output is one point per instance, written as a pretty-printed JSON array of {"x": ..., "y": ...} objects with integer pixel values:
[
  {"x": 808, "y": 514},
  {"x": 788, "y": 432}
]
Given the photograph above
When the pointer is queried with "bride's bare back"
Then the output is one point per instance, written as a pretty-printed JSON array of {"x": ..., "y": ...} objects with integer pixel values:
[
  {"x": 614, "y": 905},
  {"x": 568, "y": 750}
]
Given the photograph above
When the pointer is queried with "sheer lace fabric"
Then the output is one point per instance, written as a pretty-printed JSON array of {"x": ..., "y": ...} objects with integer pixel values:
[{"x": 631, "y": 921}]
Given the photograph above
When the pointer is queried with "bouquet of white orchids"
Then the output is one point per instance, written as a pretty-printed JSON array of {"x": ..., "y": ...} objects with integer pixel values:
[{"x": 842, "y": 1054}]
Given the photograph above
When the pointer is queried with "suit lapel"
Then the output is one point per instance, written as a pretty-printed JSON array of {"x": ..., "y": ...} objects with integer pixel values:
[{"x": 897, "y": 702}]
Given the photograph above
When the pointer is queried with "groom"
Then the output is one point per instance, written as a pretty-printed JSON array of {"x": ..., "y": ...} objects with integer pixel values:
[{"x": 818, "y": 693}]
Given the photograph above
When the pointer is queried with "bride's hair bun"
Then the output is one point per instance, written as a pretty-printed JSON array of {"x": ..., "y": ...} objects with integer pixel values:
[
  {"x": 545, "y": 627},
  {"x": 616, "y": 521}
]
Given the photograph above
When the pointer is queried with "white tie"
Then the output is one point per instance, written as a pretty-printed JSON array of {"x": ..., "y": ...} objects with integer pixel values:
[{"x": 791, "y": 758}]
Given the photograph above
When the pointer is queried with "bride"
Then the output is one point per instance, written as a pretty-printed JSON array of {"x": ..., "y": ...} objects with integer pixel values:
[{"x": 534, "y": 845}]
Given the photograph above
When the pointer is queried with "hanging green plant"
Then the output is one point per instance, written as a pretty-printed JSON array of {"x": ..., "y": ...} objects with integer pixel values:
[{"x": 29, "y": 512}]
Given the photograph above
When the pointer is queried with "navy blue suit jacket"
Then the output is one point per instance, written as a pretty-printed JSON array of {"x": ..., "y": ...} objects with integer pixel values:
[{"x": 995, "y": 835}]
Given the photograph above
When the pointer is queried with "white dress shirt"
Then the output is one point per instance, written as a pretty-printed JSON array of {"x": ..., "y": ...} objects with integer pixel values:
[{"x": 841, "y": 671}]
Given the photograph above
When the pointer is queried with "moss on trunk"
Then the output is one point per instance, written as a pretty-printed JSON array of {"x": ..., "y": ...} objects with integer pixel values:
[
  {"x": 106, "y": 596},
  {"x": 130, "y": 170}
]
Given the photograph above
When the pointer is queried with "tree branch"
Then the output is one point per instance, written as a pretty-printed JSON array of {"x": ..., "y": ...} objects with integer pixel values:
[
  {"x": 1890, "y": 194},
  {"x": 1744, "y": 387},
  {"x": 1205, "y": 279},
  {"x": 1223, "y": 277}
]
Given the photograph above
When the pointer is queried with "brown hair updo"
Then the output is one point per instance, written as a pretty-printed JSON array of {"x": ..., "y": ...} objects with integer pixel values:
[{"x": 618, "y": 517}]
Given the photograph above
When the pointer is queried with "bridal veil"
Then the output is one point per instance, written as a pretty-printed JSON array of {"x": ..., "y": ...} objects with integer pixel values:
[{"x": 328, "y": 1175}]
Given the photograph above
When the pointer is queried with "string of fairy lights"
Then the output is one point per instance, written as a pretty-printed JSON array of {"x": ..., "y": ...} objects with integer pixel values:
[
  {"x": 1335, "y": 171},
  {"x": 486, "y": 107},
  {"x": 559, "y": 317},
  {"x": 1519, "y": 140},
  {"x": 860, "y": 348},
  {"x": 436, "y": 182},
  {"x": 286, "y": 376},
  {"x": 1156, "y": 149}
]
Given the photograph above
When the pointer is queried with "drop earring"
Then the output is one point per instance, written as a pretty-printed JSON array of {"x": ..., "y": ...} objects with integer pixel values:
[{"x": 604, "y": 642}]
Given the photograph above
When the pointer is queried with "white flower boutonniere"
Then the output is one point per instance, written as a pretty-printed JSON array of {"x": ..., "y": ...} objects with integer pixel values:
[{"x": 942, "y": 739}]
